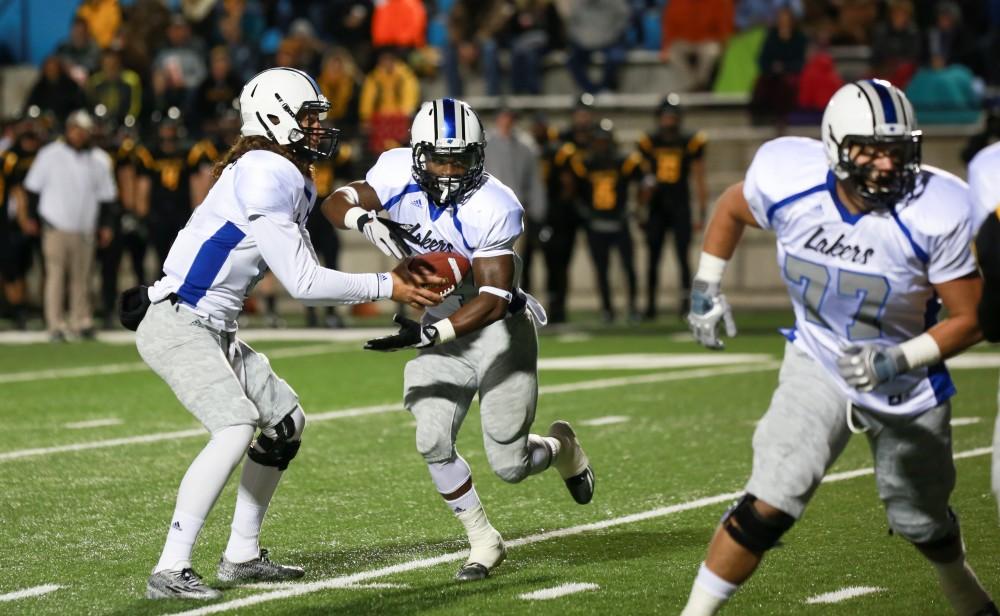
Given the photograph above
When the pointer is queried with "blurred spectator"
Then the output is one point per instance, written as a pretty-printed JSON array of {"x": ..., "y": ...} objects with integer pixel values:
[
  {"x": 183, "y": 58},
  {"x": 242, "y": 56},
  {"x": 103, "y": 18},
  {"x": 340, "y": 83},
  {"x": 301, "y": 48},
  {"x": 944, "y": 93},
  {"x": 72, "y": 183},
  {"x": 399, "y": 23},
  {"x": 513, "y": 159},
  {"x": 118, "y": 90},
  {"x": 142, "y": 35},
  {"x": 220, "y": 89},
  {"x": 18, "y": 226},
  {"x": 854, "y": 21},
  {"x": 950, "y": 39},
  {"x": 79, "y": 53},
  {"x": 694, "y": 33},
  {"x": 818, "y": 82},
  {"x": 199, "y": 13},
  {"x": 54, "y": 91},
  {"x": 165, "y": 187},
  {"x": 896, "y": 45},
  {"x": 473, "y": 27},
  {"x": 349, "y": 24},
  {"x": 675, "y": 156},
  {"x": 389, "y": 98},
  {"x": 597, "y": 25},
  {"x": 781, "y": 60},
  {"x": 988, "y": 136},
  {"x": 754, "y": 13},
  {"x": 527, "y": 36},
  {"x": 604, "y": 177}
]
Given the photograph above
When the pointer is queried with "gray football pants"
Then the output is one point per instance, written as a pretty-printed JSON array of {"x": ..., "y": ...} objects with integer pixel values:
[
  {"x": 500, "y": 363},
  {"x": 217, "y": 377},
  {"x": 805, "y": 430}
]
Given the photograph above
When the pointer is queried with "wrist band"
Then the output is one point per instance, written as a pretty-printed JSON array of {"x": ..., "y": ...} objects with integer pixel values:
[
  {"x": 710, "y": 268},
  {"x": 507, "y": 295},
  {"x": 921, "y": 351},
  {"x": 445, "y": 330},
  {"x": 353, "y": 217}
]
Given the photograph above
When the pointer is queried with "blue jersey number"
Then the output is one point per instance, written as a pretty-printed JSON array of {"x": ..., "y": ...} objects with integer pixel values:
[{"x": 813, "y": 282}]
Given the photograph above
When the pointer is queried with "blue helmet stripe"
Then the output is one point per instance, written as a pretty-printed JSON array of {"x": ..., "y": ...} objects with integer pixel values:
[
  {"x": 448, "y": 105},
  {"x": 888, "y": 105}
]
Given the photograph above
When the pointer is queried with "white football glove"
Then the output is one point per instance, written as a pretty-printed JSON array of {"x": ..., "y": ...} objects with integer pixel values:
[
  {"x": 867, "y": 366},
  {"x": 384, "y": 237},
  {"x": 708, "y": 307}
]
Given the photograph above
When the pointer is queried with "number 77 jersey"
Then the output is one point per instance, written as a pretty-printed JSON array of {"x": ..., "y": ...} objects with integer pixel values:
[{"x": 862, "y": 278}]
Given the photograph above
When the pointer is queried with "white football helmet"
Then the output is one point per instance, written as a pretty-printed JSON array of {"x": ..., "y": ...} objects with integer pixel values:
[
  {"x": 273, "y": 104},
  {"x": 448, "y": 134},
  {"x": 873, "y": 114}
]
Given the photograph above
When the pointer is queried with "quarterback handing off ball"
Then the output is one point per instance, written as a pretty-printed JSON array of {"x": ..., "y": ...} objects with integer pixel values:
[{"x": 450, "y": 265}]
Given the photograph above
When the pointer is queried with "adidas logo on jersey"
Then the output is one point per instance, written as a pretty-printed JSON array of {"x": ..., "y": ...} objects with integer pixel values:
[{"x": 837, "y": 248}]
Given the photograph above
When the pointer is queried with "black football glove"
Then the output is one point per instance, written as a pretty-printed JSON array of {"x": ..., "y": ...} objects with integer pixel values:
[{"x": 411, "y": 335}]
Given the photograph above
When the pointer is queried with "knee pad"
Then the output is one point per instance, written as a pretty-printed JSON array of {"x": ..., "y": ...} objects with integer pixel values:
[
  {"x": 434, "y": 445},
  {"x": 753, "y": 531},
  {"x": 278, "y": 445},
  {"x": 450, "y": 475},
  {"x": 944, "y": 549},
  {"x": 511, "y": 474}
]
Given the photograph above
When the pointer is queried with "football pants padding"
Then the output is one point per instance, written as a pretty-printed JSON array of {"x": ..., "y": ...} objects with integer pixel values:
[{"x": 752, "y": 530}]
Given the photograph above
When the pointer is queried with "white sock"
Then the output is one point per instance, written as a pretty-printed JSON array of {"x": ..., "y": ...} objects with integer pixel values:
[
  {"x": 257, "y": 486},
  {"x": 465, "y": 502},
  {"x": 200, "y": 488},
  {"x": 483, "y": 538},
  {"x": 542, "y": 452},
  {"x": 961, "y": 586},
  {"x": 708, "y": 593}
]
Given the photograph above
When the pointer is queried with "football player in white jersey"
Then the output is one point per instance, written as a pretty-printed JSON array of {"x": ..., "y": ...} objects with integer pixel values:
[
  {"x": 870, "y": 243},
  {"x": 482, "y": 338},
  {"x": 984, "y": 182},
  {"x": 253, "y": 218}
]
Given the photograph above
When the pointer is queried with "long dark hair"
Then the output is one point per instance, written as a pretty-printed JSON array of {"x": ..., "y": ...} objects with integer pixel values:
[{"x": 247, "y": 144}]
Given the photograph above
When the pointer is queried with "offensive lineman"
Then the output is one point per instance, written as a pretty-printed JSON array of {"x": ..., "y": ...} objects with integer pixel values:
[
  {"x": 253, "y": 218},
  {"x": 868, "y": 241},
  {"x": 481, "y": 338},
  {"x": 984, "y": 182}
]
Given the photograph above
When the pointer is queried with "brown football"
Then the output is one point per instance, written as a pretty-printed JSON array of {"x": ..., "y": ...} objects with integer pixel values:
[{"x": 450, "y": 265}]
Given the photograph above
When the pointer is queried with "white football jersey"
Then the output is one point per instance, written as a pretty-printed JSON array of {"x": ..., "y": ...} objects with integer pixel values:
[
  {"x": 867, "y": 278},
  {"x": 984, "y": 181},
  {"x": 254, "y": 218},
  {"x": 487, "y": 224}
]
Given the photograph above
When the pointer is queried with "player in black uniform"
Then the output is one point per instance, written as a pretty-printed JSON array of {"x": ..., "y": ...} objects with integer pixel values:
[
  {"x": 604, "y": 177},
  {"x": 165, "y": 187},
  {"x": 18, "y": 226},
  {"x": 675, "y": 156}
]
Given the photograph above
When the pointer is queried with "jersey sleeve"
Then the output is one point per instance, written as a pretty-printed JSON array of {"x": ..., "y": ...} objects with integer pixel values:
[
  {"x": 948, "y": 220},
  {"x": 265, "y": 184},
  {"x": 696, "y": 145},
  {"x": 493, "y": 228},
  {"x": 984, "y": 181},
  {"x": 39, "y": 171},
  {"x": 753, "y": 187},
  {"x": 391, "y": 177},
  {"x": 783, "y": 169},
  {"x": 951, "y": 251}
]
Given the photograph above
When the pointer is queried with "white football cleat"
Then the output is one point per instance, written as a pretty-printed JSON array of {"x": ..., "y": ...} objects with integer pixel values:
[
  {"x": 485, "y": 555},
  {"x": 572, "y": 463}
]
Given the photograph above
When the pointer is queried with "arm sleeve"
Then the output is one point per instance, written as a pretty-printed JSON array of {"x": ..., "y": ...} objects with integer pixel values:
[
  {"x": 988, "y": 252},
  {"x": 266, "y": 195}
]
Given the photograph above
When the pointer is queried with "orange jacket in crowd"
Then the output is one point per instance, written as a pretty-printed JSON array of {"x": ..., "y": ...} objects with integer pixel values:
[
  {"x": 399, "y": 23},
  {"x": 697, "y": 21}
]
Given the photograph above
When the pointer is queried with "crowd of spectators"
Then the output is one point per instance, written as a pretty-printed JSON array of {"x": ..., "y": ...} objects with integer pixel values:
[{"x": 159, "y": 79}]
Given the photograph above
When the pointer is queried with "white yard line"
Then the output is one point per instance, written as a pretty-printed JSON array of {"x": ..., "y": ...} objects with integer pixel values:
[
  {"x": 387, "y": 408},
  {"x": 425, "y": 563},
  {"x": 138, "y": 366},
  {"x": 93, "y": 423},
  {"x": 605, "y": 421},
  {"x": 558, "y": 591},
  {"x": 650, "y": 361},
  {"x": 250, "y": 335},
  {"x": 965, "y": 421},
  {"x": 34, "y": 591},
  {"x": 844, "y": 594}
]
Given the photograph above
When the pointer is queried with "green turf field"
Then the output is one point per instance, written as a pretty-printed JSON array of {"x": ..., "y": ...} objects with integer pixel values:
[{"x": 85, "y": 506}]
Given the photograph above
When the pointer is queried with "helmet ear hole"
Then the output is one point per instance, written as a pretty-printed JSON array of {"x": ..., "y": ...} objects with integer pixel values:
[{"x": 273, "y": 119}]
